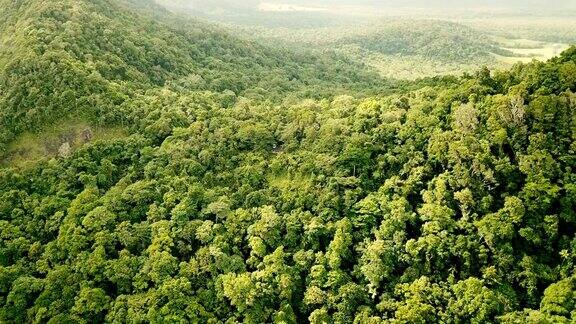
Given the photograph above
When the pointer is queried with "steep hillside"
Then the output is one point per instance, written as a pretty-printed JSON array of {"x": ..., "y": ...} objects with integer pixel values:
[{"x": 66, "y": 58}]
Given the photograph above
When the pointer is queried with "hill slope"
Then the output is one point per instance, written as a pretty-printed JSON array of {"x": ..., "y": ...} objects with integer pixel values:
[{"x": 63, "y": 58}]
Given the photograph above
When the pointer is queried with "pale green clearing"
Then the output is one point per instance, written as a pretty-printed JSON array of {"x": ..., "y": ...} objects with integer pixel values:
[
  {"x": 528, "y": 50},
  {"x": 56, "y": 140}
]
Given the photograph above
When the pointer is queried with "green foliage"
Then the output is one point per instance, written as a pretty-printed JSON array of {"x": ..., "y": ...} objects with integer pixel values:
[
  {"x": 83, "y": 59},
  {"x": 441, "y": 40},
  {"x": 454, "y": 202}
]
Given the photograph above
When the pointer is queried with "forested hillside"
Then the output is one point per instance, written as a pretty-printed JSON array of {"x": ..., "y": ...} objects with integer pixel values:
[
  {"x": 401, "y": 48},
  {"x": 430, "y": 39},
  {"x": 440, "y": 40},
  {"x": 262, "y": 185},
  {"x": 66, "y": 58}
]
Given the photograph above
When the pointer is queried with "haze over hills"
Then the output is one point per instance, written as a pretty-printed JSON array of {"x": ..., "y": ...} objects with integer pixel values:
[
  {"x": 535, "y": 7},
  {"x": 560, "y": 4},
  {"x": 160, "y": 168},
  {"x": 493, "y": 33}
]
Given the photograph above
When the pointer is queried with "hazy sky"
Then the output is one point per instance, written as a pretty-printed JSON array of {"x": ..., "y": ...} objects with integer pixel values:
[
  {"x": 521, "y": 4},
  {"x": 524, "y": 6}
]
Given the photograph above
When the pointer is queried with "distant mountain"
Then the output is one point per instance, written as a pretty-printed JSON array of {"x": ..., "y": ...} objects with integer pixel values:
[{"x": 439, "y": 40}]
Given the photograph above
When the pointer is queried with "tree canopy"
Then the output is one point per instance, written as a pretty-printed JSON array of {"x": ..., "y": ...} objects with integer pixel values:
[{"x": 450, "y": 200}]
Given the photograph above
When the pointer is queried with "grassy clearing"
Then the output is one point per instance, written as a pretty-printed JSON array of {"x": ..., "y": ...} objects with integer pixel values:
[
  {"x": 528, "y": 50},
  {"x": 29, "y": 148},
  {"x": 517, "y": 43},
  {"x": 290, "y": 183},
  {"x": 546, "y": 51}
]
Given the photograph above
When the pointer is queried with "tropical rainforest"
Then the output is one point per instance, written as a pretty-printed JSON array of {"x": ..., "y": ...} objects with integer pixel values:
[{"x": 158, "y": 168}]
